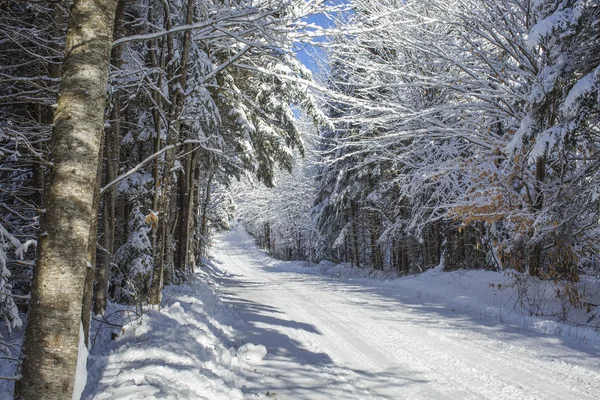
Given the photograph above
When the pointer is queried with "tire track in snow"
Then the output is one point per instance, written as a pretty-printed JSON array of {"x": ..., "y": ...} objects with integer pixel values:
[
  {"x": 527, "y": 364},
  {"x": 493, "y": 369},
  {"x": 359, "y": 350},
  {"x": 347, "y": 378},
  {"x": 355, "y": 345},
  {"x": 406, "y": 350}
]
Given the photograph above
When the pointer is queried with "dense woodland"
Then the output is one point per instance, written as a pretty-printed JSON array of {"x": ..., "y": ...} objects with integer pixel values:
[{"x": 455, "y": 133}]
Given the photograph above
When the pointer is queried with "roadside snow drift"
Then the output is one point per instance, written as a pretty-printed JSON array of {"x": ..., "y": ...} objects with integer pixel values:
[{"x": 185, "y": 351}]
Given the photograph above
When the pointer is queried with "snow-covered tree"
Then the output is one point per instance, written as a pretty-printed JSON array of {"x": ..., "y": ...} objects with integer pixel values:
[
  {"x": 280, "y": 217},
  {"x": 459, "y": 116}
]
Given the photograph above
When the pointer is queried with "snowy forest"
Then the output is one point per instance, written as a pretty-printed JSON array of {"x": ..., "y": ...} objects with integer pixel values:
[{"x": 394, "y": 137}]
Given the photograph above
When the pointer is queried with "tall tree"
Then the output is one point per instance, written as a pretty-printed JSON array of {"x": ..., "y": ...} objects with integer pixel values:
[{"x": 53, "y": 331}]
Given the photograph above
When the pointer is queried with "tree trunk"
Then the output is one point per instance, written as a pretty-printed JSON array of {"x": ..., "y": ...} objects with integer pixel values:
[
  {"x": 267, "y": 244},
  {"x": 192, "y": 189},
  {"x": 355, "y": 253},
  {"x": 194, "y": 216},
  {"x": 395, "y": 255},
  {"x": 90, "y": 276},
  {"x": 203, "y": 230},
  {"x": 108, "y": 220},
  {"x": 438, "y": 242},
  {"x": 405, "y": 262},
  {"x": 538, "y": 203},
  {"x": 112, "y": 170},
  {"x": 164, "y": 253},
  {"x": 460, "y": 253},
  {"x": 376, "y": 254},
  {"x": 156, "y": 118},
  {"x": 52, "y": 334},
  {"x": 185, "y": 183},
  {"x": 163, "y": 179}
]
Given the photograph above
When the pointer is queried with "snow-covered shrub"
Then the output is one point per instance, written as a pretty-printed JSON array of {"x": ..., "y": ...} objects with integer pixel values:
[{"x": 574, "y": 303}]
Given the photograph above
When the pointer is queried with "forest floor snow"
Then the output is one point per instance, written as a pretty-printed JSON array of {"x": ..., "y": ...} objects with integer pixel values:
[
  {"x": 250, "y": 326},
  {"x": 187, "y": 350}
]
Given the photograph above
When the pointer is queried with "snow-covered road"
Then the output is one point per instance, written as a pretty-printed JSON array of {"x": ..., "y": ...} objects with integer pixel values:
[{"x": 338, "y": 339}]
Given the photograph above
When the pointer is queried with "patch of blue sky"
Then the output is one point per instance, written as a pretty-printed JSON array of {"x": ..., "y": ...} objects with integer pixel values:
[{"x": 313, "y": 56}]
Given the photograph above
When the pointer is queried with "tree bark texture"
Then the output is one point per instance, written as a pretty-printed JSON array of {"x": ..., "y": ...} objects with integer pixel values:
[{"x": 52, "y": 334}]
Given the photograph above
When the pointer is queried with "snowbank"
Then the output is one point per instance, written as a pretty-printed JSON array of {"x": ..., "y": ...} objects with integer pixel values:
[
  {"x": 185, "y": 351},
  {"x": 513, "y": 298}
]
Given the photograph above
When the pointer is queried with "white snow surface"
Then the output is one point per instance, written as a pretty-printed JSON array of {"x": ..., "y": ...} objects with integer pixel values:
[
  {"x": 185, "y": 351},
  {"x": 80, "y": 369},
  {"x": 250, "y": 326},
  {"x": 252, "y": 353}
]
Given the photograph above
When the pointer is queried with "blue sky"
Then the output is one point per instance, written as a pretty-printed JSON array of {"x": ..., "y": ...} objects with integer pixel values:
[{"x": 304, "y": 53}]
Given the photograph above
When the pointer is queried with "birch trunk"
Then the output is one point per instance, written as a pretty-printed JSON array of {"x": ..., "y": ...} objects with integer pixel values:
[{"x": 52, "y": 334}]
